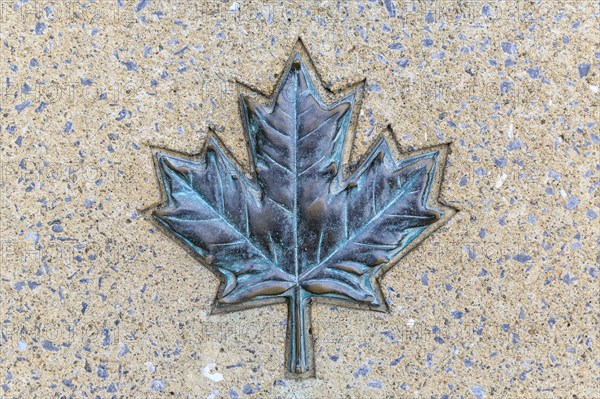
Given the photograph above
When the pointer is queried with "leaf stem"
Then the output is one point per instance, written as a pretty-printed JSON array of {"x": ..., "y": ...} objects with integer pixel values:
[{"x": 298, "y": 337}]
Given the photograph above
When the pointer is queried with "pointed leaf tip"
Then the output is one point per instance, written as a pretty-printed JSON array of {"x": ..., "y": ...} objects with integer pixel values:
[
  {"x": 250, "y": 104},
  {"x": 343, "y": 108},
  {"x": 168, "y": 167}
]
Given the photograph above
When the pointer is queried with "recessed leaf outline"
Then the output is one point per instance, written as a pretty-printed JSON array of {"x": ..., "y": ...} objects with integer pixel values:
[{"x": 297, "y": 229}]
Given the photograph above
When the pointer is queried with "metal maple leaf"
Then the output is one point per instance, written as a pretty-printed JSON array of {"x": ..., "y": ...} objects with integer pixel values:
[{"x": 298, "y": 229}]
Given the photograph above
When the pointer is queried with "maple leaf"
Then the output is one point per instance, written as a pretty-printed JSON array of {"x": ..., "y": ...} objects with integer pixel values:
[{"x": 298, "y": 229}]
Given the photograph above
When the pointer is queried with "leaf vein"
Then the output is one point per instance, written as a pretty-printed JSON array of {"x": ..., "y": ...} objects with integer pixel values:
[{"x": 373, "y": 220}]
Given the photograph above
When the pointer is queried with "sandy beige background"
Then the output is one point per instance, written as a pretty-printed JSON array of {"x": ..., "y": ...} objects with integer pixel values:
[{"x": 502, "y": 302}]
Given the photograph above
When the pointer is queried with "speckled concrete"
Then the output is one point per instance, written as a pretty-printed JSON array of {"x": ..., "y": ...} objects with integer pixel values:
[{"x": 502, "y": 302}]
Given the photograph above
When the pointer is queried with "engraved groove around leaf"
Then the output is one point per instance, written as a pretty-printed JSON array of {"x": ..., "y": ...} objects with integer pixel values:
[{"x": 297, "y": 229}]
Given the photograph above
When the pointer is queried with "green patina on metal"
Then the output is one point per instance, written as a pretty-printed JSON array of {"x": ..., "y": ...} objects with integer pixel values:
[{"x": 297, "y": 229}]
